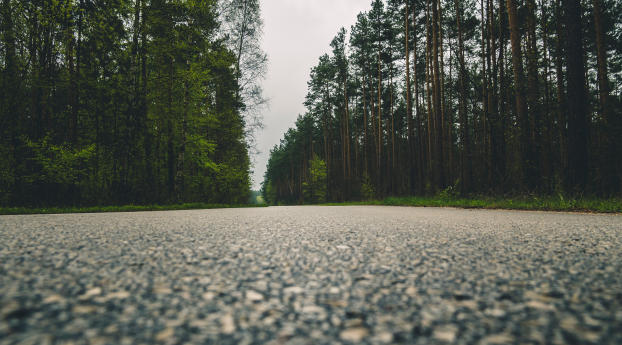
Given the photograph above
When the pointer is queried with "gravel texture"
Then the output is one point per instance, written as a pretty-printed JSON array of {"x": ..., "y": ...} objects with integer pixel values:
[{"x": 312, "y": 275}]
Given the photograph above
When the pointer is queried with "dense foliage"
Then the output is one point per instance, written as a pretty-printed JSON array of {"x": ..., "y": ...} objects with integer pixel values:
[
  {"x": 123, "y": 101},
  {"x": 463, "y": 97}
]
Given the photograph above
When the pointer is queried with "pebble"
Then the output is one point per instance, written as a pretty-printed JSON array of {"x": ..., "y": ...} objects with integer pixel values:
[
  {"x": 227, "y": 324},
  {"x": 446, "y": 333},
  {"x": 354, "y": 335},
  {"x": 91, "y": 293},
  {"x": 166, "y": 334},
  {"x": 253, "y": 296},
  {"x": 497, "y": 339}
]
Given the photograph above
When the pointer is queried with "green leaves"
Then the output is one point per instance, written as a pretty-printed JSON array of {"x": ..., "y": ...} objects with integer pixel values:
[
  {"x": 314, "y": 188},
  {"x": 60, "y": 165},
  {"x": 121, "y": 101}
]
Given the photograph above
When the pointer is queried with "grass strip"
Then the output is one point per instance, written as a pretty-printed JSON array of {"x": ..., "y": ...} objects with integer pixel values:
[
  {"x": 519, "y": 203},
  {"x": 125, "y": 208}
]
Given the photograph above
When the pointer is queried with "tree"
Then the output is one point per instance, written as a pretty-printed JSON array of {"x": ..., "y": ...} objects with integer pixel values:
[
  {"x": 315, "y": 187},
  {"x": 578, "y": 127},
  {"x": 243, "y": 29},
  {"x": 392, "y": 101},
  {"x": 520, "y": 90},
  {"x": 131, "y": 102}
]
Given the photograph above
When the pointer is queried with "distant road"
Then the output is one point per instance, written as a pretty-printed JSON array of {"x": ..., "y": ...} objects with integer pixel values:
[{"x": 312, "y": 275}]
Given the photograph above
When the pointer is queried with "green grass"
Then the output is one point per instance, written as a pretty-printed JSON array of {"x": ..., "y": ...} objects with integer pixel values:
[
  {"x": 126, "y": 208},
  {"x": 518, "y": 203}
]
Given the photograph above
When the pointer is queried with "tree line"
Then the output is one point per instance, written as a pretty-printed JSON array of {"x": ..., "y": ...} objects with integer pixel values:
[
  {"x": 462, "y": 96},
  {"x": 127, "y": 101}
]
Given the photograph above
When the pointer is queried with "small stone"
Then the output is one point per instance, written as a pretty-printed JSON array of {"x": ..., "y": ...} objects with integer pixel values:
[
  {"x": 91, "y": 293},
  {"x": 53, "y": 299},
  {"x": 162, "y": 290},
  {"x": 470, "y": 304},
  {"x": 592, "y": 337},
  {"x": 253, "y": 296},
  {"x": 354, "y": 335},
  {"x": 569, "y": 324},
  {"x": 208, "y": 296},
  {"x": 118, "y": 295},
  {"x": 165, "y": 334},
  {"x": 293, "y": 290},
  {"x": 84, "y": 309},
  {"x": 9, "y": 308},
  {"x": 540, "y": 306},
  {"x": 384, "y": 337},
  {"x": 495, "y": 313},
  {"x": 335, "y": 320},
  {"x": 188, "y": 279},
  {"x": 591, "y": 322},
  {"x": 411, "y": 291},
  {"x": 342, "y": 247},
  {"x": 497, "y": 339},
  {"x": 446, "y": 334},
  {"x": 227, "y": 324},
  {"x": 312, "y": 309},
  {"x": 112, "y": 329}
]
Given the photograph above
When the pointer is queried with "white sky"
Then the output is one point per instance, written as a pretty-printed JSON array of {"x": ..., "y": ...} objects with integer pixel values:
[{"x": 296, "y": 34}]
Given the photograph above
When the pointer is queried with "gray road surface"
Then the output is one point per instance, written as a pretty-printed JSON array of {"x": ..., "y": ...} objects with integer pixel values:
[{"x": 311, "y": 275}]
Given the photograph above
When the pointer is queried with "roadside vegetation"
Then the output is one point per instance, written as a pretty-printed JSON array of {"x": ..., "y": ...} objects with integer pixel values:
[
  {"x": 125, "y": 208},
  {"x": 518, "y": 203},
  {"x": 462, "y": 98},
  {"x": 128, "y": 102}
]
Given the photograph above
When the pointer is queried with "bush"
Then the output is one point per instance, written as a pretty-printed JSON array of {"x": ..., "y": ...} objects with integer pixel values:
[
  {"x": 367, "y": 188},
  {"x": 315, "y": 188}
]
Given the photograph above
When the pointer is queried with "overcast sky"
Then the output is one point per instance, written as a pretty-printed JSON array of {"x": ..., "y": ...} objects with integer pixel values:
[{"x": 296, "y": 34}]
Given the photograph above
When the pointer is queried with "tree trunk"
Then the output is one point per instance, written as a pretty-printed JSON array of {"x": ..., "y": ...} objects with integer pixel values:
[
  {"x": 533, "y": 95},
  {"x": 521, "y": 103},
  {"x": 561, "y": 94},
  {"x": 577, "y": 99},
  {"x": 438, "y": 113},
  {"x": 411, "y": 149},
  {"x": 608, "y": 163},
  {"x": 465, "y": 153}
]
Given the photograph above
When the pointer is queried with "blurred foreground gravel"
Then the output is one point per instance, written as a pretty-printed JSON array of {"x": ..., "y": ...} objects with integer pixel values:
[{"x": 311, "y": 275}]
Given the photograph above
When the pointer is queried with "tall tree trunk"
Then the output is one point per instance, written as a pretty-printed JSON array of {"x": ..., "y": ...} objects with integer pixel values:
[
  {"x": 365, "y": 134},
  {"x": 70, "y": 41},
  {"x": 143, "y": 109},
  {"x": 379, "y": 118},
  {"x": 561, "y": 94},
  {"x": 533, "y": 94},
  {"x": 10, "y": 119},
  {"x": 420, "y": 137},
  {"x": 499, "y": 147},
  {"x": 484, "y": 160},
  {"x": 608, "y": 163},
  {"x": 431, "y": 129},
  {"x": 438, "y": 113},
  {"x": 465, "y": 153},
  {"x": 521, "y": 103},
  {"x": 169, "y": 136},
  {"x": 493, "y": 102},
  {"x": 578, "y": 125},
  {"x": 411, "y": 150},
  {"x": 548, "y": 122}
]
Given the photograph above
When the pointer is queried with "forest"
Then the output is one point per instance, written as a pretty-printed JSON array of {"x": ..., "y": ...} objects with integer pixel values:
[
  {"x": 461, "y": 97},
  {"x": 108, "y": 102}
]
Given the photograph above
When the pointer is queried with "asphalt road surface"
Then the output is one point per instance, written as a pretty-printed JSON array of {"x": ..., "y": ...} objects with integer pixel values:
[{"x": 312, "y": 275}]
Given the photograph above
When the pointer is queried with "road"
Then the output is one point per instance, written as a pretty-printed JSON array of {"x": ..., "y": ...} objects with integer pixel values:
[{"x": 312, "y": 275}]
